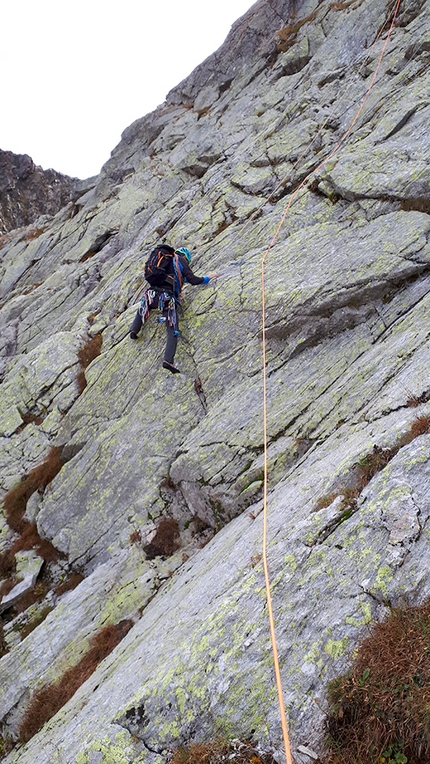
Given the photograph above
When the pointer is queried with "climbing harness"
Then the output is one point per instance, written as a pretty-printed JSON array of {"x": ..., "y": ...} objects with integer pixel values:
[
  {"x": 342, "y": 140},
  {"x": 166, "y": 303}
]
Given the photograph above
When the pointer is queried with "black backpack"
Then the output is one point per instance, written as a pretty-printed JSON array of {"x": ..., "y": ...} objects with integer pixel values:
[{"x": 159, "y": 266}]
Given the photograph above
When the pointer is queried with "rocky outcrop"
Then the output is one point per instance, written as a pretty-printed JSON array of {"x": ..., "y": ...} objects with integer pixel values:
[
  {"x": 27, "y": 191},
  {"x": 347, "y": 314}
]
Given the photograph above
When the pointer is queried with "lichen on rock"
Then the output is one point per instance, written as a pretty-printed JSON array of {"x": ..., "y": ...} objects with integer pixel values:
[{"x": 347, "y": 309}]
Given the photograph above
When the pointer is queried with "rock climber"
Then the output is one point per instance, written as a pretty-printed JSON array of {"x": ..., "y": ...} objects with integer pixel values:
[{"x": 167, "y": 296}]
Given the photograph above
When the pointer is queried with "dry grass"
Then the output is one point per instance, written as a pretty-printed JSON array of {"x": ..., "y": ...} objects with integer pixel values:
[
  {"x": 380, "y": 711},
  {"x": 3, "y": 648},
  {"x": 135, "y": 537},
  {"x": 29, "y": 418},
  {"x": 72, "y": 581},
  {"x": 34, "y": 622},
  {"x": 48, "y": 700},
  {"x": 32, "y": 287},
  {"x": 30, "y": 539},
  {"x": 38, "y": 478},
  {"x": 165, "y": 541},
  {"x": 418, "y": 205},
  {"x": 90, "y": 350},
  {"x": 5, "y": 238},
  {"x": 416, "y": 400},
  {"x": 373, "y": 463},
  {"x": 33, "y": 233},
  {"x": 92, "y": 317},
  {"x": 287, "y": 35},
  {"x": 420, "y": 426},
  {"x": 220, "y": 751},
  {"x": 342, "y": 6},
  {"x": 6, "y": 587},
  {"x": 15, "y": 503},
  {"x": 325, "y": 501},
  {"x": 367, "y": 467},
  {"x": 86, "y": 354},
  {"x": 36, "y": 594},
  {"x": 7, "y": 563}
]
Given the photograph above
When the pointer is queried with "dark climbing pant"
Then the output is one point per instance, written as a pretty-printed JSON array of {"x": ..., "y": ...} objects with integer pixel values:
[{"x": 172, "y": 339}]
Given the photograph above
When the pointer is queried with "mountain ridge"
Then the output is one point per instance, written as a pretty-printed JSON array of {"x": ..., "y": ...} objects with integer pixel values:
[{"x": 27, "y": 191}]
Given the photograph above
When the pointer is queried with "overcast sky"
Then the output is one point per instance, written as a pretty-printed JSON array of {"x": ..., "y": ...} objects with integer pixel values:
[{"x": 76, "y": 74}]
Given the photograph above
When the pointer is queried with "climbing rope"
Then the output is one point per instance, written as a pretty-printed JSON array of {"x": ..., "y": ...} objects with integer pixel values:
[{"x": 340, "y": 143}]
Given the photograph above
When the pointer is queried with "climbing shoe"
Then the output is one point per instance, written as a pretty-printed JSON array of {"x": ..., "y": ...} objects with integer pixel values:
[
  {"x": 170, "y": 367},
  {"x": 133, "y": 336}
]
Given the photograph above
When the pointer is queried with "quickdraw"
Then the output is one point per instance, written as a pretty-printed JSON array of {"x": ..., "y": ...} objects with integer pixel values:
[
  {"x": 146, "y": 301},
  {"x": 165, "y": 303}
]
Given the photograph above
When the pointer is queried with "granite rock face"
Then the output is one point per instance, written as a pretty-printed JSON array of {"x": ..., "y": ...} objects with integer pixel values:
[
  {"x": 27, "y": 191},
  {"x": 174, "y": 463}
]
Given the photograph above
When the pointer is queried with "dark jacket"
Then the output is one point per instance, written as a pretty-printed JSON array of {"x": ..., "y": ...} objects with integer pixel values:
[
  {"x": 188, "y": 274},
  {"x": 174, "y": 281}
]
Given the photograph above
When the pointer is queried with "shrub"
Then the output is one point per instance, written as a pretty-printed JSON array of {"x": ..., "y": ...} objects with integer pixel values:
[
  {"x": 420, "y": 426},
  {"x": 165, "y": 541},
  {"x": 48, "y": 700},
  {"x": 374, "y": 462},
  {"x": 380, "y": 710},
  {"x": 220, "y": 751},
  {"x": 135, "y": 537}
]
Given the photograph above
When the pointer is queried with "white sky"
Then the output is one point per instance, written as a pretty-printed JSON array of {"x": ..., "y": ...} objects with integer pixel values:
[{"x": 75, "y": 74}]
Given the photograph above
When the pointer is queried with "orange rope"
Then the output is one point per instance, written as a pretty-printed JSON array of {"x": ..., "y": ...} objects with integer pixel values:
[{"x": 265, "y": 463}]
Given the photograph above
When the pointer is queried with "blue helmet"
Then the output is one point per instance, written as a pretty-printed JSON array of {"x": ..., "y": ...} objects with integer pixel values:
[{"x": 184, "y": 251}]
